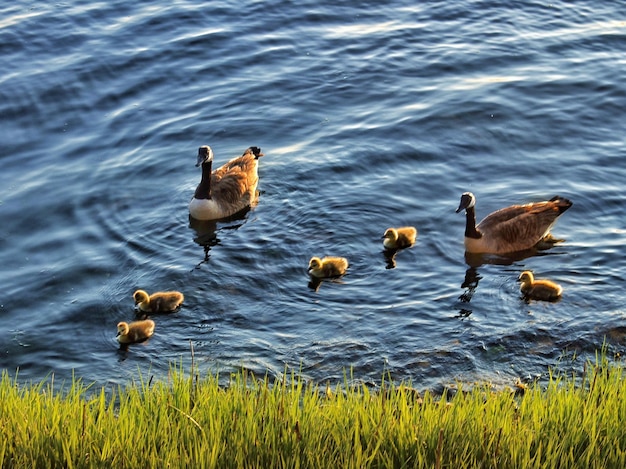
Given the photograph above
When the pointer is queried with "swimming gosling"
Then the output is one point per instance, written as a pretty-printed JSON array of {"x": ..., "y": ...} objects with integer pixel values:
[
  {"x": 510, "y": 229},
  {"x": 328, "y": 267},
  {"x": 545, "y": 290},
  {"x": 398, "y": 238},
  {"x": 159, "y": 302},
  {"x": 136, "y": 331}
]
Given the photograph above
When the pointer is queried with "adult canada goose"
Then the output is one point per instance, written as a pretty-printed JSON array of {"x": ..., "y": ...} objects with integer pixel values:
[
  {"x": 136, "y": 331},
  {"x": 398, "y": 238},
  {"x": 328, "y": 267},
  {"x": 545, "y": 290},
  {"x": 227, "y": 190},
  {"x": 510, "y": 229},
  {"x": 159, "y": 302}
]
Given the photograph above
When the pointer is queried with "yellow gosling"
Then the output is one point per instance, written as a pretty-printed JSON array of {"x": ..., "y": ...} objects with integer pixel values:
[
  {"x": 545, "y": 290},
  {"x": 159, "y": 302},
  {"x": 398, "y": 238},
  {"x": 136, "y": 331},
  {"x": 328, "y": 267}
]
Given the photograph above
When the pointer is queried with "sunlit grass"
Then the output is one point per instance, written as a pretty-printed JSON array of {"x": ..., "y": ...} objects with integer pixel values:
[{"x": 188, "y": 421}]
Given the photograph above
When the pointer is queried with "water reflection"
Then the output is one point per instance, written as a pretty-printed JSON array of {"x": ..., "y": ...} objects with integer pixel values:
[
  {"x": 477, "y": 260},
  {"x": 470, "y": 283},
  {"x": 206, "y": 231},
  {"x": 206, "y": 235},
  {"x": 315, "y": 283},
  {"x": 123, "y": 349},
  {"x": 390, "y": 258}
]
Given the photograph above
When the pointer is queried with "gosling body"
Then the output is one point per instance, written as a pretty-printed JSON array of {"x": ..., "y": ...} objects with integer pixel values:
[
  {"x": 510, "y": 229},
  {"x": 159, "y": 302},
  {"x": 399, "y": 238},
  {"x": 328, "y": 267},
  {"x": 136, "y": 331},
  {"x": 545, "y": 290},
  {"x": 228, "y": 189}
]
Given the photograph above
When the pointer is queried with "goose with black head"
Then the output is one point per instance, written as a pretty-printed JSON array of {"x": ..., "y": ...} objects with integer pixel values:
[
  {"x": 510, "y": 229},
  {"x": 227, "y": 190}
]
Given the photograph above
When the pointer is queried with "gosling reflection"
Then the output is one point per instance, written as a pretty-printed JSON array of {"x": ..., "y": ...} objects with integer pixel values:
[
  {"x": 390, "y": 258},
  {"x": 315, "y": 283}
]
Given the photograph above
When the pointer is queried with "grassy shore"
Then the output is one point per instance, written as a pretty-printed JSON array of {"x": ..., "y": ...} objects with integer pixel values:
[{"x": 187, "y": 421}]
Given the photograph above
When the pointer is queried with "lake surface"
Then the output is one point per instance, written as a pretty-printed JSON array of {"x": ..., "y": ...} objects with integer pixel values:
[{"x": 370, "y": 115}]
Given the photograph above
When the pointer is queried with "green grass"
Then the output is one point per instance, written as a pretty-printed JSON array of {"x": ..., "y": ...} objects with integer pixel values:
[{"x": 191, "y": 421}]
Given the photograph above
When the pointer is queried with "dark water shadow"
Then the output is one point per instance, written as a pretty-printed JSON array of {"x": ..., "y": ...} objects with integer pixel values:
[
  {"x": 390, "y": 258},
  {"x": 470, "y": 283},
  {"x": 141, "y": 315},
  {"x": 542, "y": 248},
  {"x": 478, "y": 260},
  {"x": 206, "y": 231},
  {"x": 315, "y": 283},
  {"x": 122, "y": 350}
]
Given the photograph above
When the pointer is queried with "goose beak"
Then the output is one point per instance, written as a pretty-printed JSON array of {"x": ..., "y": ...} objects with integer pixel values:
[
  {"x": 205, "y": 155},
  {"x": 118, "y": 334},
  {"x": 465, "y": 201}
]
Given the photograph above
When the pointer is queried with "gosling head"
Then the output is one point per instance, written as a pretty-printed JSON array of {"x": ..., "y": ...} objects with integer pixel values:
[
  {"x": 205, "y": 155},
  {"x": 315, "y": 263},
  {"x": 526, "y": 277},
  {"x": 140, "y": 296},
  {"x": 122, "y": 328},
  {"x": 391, "y": 234},
  {"x": 467, "y": 201}
]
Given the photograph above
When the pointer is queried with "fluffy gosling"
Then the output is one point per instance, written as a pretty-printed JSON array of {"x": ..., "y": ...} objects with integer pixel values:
[
  {"x": 545, "y": 290},
  {"x": 328, "y": 267},
  {"x": 136, "y": 331},
  {"x": 159, "y": 302},
  {"x": 398, "y": 238}
]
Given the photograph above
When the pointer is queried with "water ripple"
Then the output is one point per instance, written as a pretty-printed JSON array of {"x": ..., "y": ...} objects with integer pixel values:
[{"x": 371, "y": 116}]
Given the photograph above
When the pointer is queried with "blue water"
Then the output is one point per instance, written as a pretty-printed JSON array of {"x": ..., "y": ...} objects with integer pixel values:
[{"x": 370, "y": 115}]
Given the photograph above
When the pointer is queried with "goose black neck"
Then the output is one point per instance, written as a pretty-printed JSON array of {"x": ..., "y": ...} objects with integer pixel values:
[
  {"x": 470, "y": 224},
  {"x": 203, "y": 191}
]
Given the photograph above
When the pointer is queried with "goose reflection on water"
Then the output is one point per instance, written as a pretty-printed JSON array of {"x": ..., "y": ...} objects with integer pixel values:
[{"x": 206, "y": 230}]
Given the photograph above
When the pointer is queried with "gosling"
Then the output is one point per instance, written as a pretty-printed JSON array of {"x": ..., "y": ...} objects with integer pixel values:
[
  {"x": 399, "y": 238},
  {"x": 328, "y": 267},
  {"x": 544, "y": 290},
  {"x": 159, "y": 302},
  {"x": 136, "y": 331}
]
